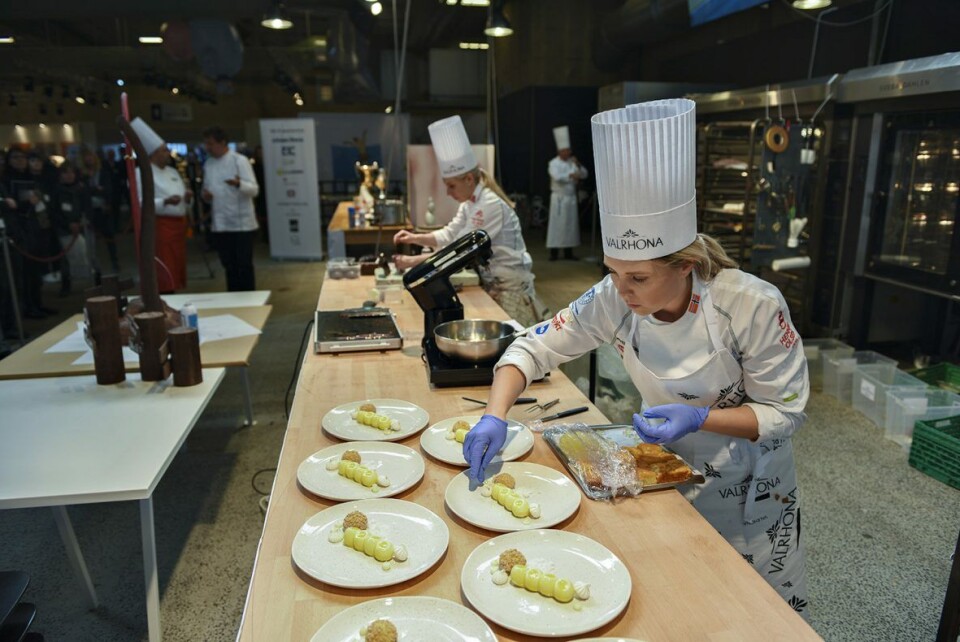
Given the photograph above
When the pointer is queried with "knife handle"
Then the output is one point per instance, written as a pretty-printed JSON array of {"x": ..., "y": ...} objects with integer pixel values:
[
  {"x": 524, "y": 400},
  {"x": 566, "y": 413}
]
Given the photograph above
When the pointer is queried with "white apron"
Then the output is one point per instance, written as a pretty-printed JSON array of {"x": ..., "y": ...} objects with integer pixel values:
[
  {"x": 563, "y": 226},
  {"x": 513, "y": 290},
  {"x": 750, "y": 494}
]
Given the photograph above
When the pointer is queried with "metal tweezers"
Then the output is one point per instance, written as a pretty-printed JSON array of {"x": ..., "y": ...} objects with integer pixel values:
[{"x": 538, "y": 407}]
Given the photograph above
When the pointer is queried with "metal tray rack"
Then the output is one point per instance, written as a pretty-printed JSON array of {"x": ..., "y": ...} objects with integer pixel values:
[{"x": 622, "y": 435}]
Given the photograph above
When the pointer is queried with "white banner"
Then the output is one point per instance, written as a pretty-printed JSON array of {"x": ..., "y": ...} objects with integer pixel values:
[{"x": 290, "y": 174}]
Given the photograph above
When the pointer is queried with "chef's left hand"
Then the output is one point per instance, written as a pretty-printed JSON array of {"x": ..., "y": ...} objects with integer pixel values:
[
  {"x": 233, "y": 182},
  {"x": 681, "y": 420}
]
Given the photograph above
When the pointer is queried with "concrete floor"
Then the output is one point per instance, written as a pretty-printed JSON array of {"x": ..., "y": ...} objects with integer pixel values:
[{"x": 879, "y": 534}]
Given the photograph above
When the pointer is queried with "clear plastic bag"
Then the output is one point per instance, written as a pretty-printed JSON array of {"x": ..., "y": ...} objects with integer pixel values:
[{"x": 602, "y": 467}]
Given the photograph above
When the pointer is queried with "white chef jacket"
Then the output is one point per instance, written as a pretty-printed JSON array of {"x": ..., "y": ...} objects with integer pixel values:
[
  {"x": 486, "y": 211},
  {"x": 755, "y": 327},
  {"x": 232, "y": 207},
  {"x": 560, "y": 175},
  {"x": 167, "y": 182}
]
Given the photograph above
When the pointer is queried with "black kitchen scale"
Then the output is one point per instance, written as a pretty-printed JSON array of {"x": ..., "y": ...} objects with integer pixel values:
[
  {"x": 355, "y": 330},
  {"x": 429, "y": 283}
]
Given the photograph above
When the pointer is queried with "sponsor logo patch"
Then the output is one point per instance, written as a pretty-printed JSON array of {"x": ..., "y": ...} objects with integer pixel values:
[
  {"x": 541, "y": 329},
  {"x": 789, "y": 337},
  {"x": 585, "y": 299},
  {"x": 559, "y": 320},
  {"x": 694, "y": 304}
]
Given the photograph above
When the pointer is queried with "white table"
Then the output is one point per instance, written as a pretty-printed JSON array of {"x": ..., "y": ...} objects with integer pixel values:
[
  {"x": 66, "y": 441},
  {"x": 212, "y": 300}
]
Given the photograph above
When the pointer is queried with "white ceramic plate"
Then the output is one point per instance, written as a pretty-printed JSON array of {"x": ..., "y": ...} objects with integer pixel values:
[
  {"x": 412, "y": 420},
  {"x": 423, "y": 533},
  {"x": 435, "y": 443},
  {"x": 557, "y": 495},
  {"x": 568, "y": 555},
  {"x": 416, "y": 618},
  {"x": 403, "y": 467}
]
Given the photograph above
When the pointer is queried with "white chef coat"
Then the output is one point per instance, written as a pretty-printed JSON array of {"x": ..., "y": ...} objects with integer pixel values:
[
  {"x": 735, "y": 345},
  {"x": 563, "y": 229},
  {"x": 232, "y": 207},
  {"x": 167, "y": 182},
  {"x": 486, "y": 211}
]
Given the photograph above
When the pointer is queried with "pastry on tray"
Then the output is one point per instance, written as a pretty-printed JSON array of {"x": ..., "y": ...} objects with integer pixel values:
[
  {"x": 511, "y": 567},
  {"x": 503, "y": 490},
  {"x": 354, "y": 532},
  {"x": 351, "y": 467}
]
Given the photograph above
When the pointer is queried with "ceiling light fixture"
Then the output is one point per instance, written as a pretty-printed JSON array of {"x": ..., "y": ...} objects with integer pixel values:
[
  {"x": 120, "y": 82},
  {"x": 388, "y": 110},
  {"x": 42, "y": 125},
  {"x": 497, "y": 24},
  {"x": 451, "y": 3},
  {"x": 474, "y": 3},
  {"x": 810, "y": 5},
  {"x": 376, "y": 8},
  {"x": 80, "y": 98},
  {"x": 474, "y": 45},
  {"x": 150, "y": 40},
  {"x": 7, "y": 40},
  {"x": 174, "y": 90},
  {"x": 298, "y": 99},
  {"x": 275, "y": 18}
]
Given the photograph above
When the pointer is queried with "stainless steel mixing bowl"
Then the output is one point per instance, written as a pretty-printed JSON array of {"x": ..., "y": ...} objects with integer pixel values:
[{"x": 474, "y": 340}]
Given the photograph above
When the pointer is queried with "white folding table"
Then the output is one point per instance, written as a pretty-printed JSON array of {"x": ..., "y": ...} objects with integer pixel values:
[
  {"x": 213, "y": 300},
  {"x": 66, "y": 440}
]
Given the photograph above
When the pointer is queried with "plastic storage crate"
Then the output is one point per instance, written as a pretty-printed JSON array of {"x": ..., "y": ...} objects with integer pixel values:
[
  {"x": 936, "y": 449},
  {"x": 816, "y": 351},
  {"x": 942, "y": 375},
  {"x": 906, "y": 406},
  {"x": 871, "y": 382},
  {"x": 838, "y": 370}
]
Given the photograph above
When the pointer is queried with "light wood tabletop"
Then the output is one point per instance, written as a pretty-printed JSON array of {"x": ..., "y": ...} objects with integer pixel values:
[
  {"x": 33, "y": 360},
  {"x": 688, "y": 583}
]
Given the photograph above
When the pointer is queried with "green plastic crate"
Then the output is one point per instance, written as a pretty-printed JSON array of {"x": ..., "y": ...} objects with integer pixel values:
[
  {"x": 936, "y": 449},
  {"x": 943, "y": 375}
]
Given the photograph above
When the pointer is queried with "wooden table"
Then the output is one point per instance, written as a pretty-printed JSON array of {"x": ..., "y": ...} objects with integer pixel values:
[
  {"x": 364, "y": 235},
  {"x": 70, "y": 441},
  {"x": 688, "y": 583},
  {"x": 33, "y": 361}
]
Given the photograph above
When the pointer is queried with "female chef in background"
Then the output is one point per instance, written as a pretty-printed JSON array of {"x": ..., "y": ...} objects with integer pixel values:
[
  {"x": 508, "y": 278},
  {"x": 711, "y": 349}
]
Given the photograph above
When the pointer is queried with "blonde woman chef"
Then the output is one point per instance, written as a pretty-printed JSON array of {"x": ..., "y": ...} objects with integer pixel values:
[
  {"x": 508, "y": 278},
  {"x": 711, "y": 349}
]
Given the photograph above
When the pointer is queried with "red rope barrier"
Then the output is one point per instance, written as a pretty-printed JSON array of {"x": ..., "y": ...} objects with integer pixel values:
[{"x": 46, "y": 259}]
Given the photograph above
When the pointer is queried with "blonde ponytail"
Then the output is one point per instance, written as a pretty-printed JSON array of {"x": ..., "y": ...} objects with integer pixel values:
[
  {"x": 706, "y": 254},
  {"x": 486, "y": 180}
]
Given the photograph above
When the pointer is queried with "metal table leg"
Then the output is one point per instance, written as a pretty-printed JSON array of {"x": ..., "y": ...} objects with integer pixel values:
[
  {"x": 150, "y": 568},
  {"x": 247, "y": 396},
  {"x": 74, "y": 554}
]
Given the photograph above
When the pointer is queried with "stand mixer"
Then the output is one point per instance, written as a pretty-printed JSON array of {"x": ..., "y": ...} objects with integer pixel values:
[{"x": 429, "y": 283}]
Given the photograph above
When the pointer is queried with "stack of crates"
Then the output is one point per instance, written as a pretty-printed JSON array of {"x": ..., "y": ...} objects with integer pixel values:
[
  {"x": 942, "y": 375},
  {"x": 816, "y": 351},
  {"x": 936, "y": 449},
  {"x": 838, "y": 368},
  {"x": 906, "y": 406},
  {"x": 872, "y": 382}
]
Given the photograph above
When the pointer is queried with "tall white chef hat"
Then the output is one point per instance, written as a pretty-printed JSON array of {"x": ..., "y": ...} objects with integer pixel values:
[
  {"x": 561, "y": 136},
  {"x": 150, "y": 139},
  {"x": 452, "y": 147},
  {"x": 645, "y": 158}
]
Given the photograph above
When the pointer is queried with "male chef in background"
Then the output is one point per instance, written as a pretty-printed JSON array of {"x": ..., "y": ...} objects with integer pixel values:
[
  {"x": 170, "y": 196},
  {"x": 563, "y": 228},
  {"x": 229, "y": 185}
]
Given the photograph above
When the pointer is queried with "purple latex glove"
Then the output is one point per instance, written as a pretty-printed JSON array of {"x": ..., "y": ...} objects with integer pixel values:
[
  {"x": 680, "y": 420},
  {"x": 482, "y": 444}
]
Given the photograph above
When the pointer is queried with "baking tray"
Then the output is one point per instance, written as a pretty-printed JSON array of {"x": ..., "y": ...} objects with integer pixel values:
[{"x": 622, "y": 435}]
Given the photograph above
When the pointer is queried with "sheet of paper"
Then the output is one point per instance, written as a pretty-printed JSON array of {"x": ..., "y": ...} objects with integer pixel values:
[
  {"x": 86, "y": 359},
  {"x": 224, "y": 326},
  {"x": 73, "y": 342}
]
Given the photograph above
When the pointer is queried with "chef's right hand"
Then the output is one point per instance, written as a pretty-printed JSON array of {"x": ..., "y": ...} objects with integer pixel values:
[
  {"x": 403, "y": 236},
  {"x": 483, "y": 443},
  {"x": 206, "y": 195},
  {"x": 172, "y": 200}
]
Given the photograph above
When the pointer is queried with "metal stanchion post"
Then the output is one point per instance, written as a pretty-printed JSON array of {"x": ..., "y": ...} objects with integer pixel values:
[{"x": 10, "y": 281}]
